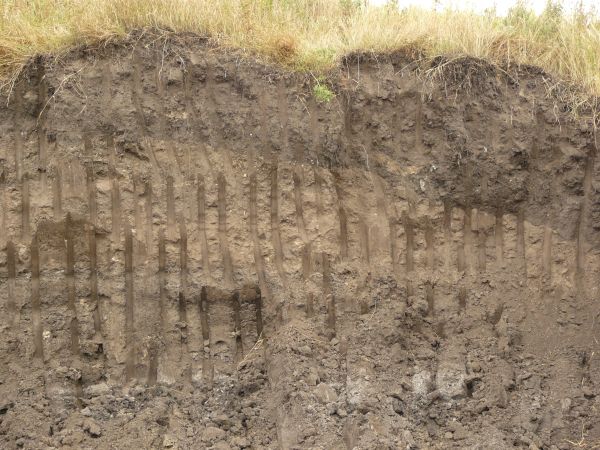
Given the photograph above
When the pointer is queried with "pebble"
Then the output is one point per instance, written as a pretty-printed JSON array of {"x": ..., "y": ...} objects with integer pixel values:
[
  {"x": 450, "y": 380},
  {"x": 565, "y": 404},
  {"x": 458, "y": 431},
  {"x": 212, "y": 434},
  {"x": 408, "y": 439},
  {"x": 223, "y": 421},
  {"x": 137, "y": 390},
  {"x": 312, "y": 378},
  {"x": 342, "y": 412},
  {"x": 92, "y": 428},
  {"x": 169, "y": 441},
  {"x": 588, "y": 392},
  {"x": 5, "y": 406},
  {"x": 331, "y": 363},
  {"x": 241, "y": 442},
  {"x": 96, "y": 390},
  {"x": 421, "y": 383},
  {"x": 304, "y": 350},
  {"x": 325, "y": 393},
  {"x": 475, "y": 366}
]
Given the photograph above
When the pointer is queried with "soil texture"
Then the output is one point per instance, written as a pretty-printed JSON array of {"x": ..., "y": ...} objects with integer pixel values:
[{"x": 196, "y": 253}]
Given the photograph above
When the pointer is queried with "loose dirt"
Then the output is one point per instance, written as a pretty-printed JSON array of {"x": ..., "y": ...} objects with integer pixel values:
[{"x": 195, "y": 253}]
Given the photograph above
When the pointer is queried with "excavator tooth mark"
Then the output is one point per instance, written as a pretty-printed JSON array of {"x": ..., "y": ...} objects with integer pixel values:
[
  {"x": 129, "y": 307},
  {"x": 36, "y": 310},
  {"x": 223, "y": 239}
]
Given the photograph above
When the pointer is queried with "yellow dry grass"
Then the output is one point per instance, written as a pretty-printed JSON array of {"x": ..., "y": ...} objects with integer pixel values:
[{"x": 313, "y": 34}]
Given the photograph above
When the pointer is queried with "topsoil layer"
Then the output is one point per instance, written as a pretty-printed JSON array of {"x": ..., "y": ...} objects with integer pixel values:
[{"x": 196, "y": 253}]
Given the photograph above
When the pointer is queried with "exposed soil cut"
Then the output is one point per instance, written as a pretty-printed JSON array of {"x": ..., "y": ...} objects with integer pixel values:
[{"x": 195, "y": 253}]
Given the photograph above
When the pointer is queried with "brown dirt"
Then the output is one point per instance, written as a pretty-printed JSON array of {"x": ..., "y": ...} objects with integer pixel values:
[{"x": 197, "y": 254}]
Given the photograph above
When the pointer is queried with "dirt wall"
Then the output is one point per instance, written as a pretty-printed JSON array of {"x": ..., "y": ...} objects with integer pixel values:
[{"x": 196, "y": 253}]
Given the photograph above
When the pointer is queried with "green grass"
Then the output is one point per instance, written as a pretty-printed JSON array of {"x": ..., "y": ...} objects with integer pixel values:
[
  {"x": 322, "y": 93},
  {"x": 313, "y": 35}
]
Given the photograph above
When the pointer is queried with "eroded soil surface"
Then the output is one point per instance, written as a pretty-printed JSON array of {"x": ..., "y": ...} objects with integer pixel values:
[{"x": 195, "y": 253}]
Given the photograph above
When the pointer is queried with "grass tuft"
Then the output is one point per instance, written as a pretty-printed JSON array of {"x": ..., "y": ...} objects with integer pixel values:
[
  {"x": 314, "y": 34},
  {"x": 322, "y": 93}
]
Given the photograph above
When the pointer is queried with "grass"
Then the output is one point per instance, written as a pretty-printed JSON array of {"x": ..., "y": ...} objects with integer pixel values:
[
  {"x": 313, "y": 34},
  {"x": 322, "y": 93}
]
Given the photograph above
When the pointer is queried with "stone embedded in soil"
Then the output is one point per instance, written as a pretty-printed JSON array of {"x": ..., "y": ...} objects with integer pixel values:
[
  {"x": 422, "y": 383},
  {"x": 92, "y": 428},
  {"x": 169, "y": 441},
  {"x": 450, "y": 380},
  {"x": 212, "y": 434},
  {"x": 498, "y": 395},
  {"x": 223, "y": 421},
  {"x": 409, "y": 439},
  {"x": 588, "y": 392},
  {"x": 325, "y": 393},
  {"x": 312, "y": 377},
  {"x": 96, "y": 390},
  {"x": 304, "y": 350},
  {"x": 459, "y": 432},
  {"x": 5, "y": 406},
  {"x": 240, "y": 442}
]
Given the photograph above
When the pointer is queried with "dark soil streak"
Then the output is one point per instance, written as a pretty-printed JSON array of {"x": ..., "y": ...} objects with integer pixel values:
[
  {"x": 171, "y": 214},
  {"x": 329, "y": 296},
  {"x": 275, "y": 229},
  {"x": 298, "y": 182},
  {"x": 447, "y": 233},
  {"x": 547, "y": 253},
  {"x": 74, "y": 321},
  {"x": 207, "y": 364},
  {"x": 202, "y": 226},
  {"x": 18, "y": 117},
  {"x": 223, "y": 239},
  {"x": 149, "y": 216},
  {"x": 41, "y": 115},
  {"x": 252, "y": 222},
  {"x": 522, "y": 260},
  {"x": 393, "y": 227},
  {"x": 429, "y": 242},
  {"x": 410, "y": 248},
  {"x": 237, "y": 327},
  {"x": 481, "y": 244},
  {"x": 499, "y": 237},
  {"x": 25, "y": 208},
  {"x": 468, "y": 238},
  {"x": 115, "y": 196},
  {"x": 70, "y": 281},
  {"x": 582, "y": 222},
  {"x": 57, "y": 195},
  {"x": 36, "y": 310},
  {"x": 130, "y": 360},
  {"x": 91, "y": 191},
  {"x": 12, "y": 275},
  {"x": 94, "y": 279}
]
